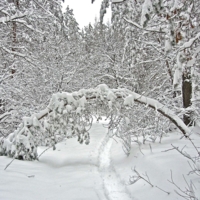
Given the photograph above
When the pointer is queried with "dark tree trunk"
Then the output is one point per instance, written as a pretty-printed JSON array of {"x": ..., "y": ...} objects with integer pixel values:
[
  {"x": 16, "y": 2},
  {"x": 187, "y": 95}
]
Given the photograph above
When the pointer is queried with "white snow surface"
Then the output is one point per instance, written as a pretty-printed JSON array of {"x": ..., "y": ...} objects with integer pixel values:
[{"x": 99, "y": 171}]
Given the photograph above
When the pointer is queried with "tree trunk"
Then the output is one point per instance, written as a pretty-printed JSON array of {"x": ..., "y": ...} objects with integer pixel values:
[
  {"x": 16, "y": 2},
  {"x": 187, "y": 95}
]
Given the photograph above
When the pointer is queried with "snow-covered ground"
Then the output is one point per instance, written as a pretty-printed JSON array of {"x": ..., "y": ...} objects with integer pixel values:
[
  {"x": 99, "y": 171},
  {"x": 158, "y": 162}
]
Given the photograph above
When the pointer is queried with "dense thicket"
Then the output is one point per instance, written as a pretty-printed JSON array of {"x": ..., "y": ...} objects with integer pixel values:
[{"x": 150, "y": 47}]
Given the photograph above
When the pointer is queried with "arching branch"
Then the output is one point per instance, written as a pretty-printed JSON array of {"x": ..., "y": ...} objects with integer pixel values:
[{"x": 70, "y": 113}]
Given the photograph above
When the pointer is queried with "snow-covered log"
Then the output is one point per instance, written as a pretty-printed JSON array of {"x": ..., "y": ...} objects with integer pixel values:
[{"x": 70, "y": 114}]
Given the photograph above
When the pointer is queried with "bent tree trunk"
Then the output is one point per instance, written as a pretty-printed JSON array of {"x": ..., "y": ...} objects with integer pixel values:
[
  {"x": 69, "y": 113},
  {"x": 187, "y": 95}
]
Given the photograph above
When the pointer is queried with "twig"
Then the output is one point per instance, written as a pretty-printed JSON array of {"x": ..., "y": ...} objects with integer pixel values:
[
  {"x": 141, "y": 150},
  {"x": 188, "y": 193},
  {"x": 9, "y": 163},
  {"x": 195, "y": 169},
  {"x": 162, "y": 190},
  {"x": 43, "y": 152},
  {"x": 134, "y": 179},
  {"x": 168, "y": 150},
  {"x": 183, "y": 153}
]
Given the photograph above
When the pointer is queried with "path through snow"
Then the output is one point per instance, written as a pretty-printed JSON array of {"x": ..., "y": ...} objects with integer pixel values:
[
  {"x": 113, "y": 186},
  {"x": 72, "y": 171},
  {"x": 92, "y": 172}
]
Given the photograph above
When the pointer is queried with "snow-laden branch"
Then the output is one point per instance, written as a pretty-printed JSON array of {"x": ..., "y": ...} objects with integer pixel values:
[
  {"x": 70, "y": 114},
  {"x": 189, "y": 43},
  {"x": 13, "y": 52},
  {"x": 161, "y": 109},
  {"x": 44, "y": 9},
  {"x": 13, "y": 17},
  {"x": 6, "y": 114},
  {"x": 18, "y": 54},
  {"x": 28, "y": 26},
  {"x": 114, "y": 94},
  {"x": 140, "y": 27}
]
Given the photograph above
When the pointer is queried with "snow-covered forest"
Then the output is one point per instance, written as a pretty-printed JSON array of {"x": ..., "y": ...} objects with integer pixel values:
[{"x": 128, "y": 90}]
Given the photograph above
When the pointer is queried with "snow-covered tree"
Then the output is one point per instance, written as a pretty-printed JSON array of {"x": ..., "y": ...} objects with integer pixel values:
[
  {"x": 36, "y": 56},
  {"x": 173, "y": 32},
  {"x": 166, "y": 34},
  {"x": 142, "y": 51}
]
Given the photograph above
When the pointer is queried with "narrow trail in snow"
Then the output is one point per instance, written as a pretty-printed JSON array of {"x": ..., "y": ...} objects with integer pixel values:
[{"x": 114, "y": 188}]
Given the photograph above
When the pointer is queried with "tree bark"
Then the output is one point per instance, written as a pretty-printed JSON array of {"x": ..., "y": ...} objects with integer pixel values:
[{"x": 187, "y": 95}]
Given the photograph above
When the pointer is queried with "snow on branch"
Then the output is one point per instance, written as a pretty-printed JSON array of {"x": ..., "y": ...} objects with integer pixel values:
[
  {"x": 18, "y": 54},
  {"x": 140, "y": 27},
  {"x": 71, "y": 115},
  {"x": 4, "y": 115},
  {"x": 13, "y": 17},
  {"x": 189, "y": 43},
  {"x": 28, "y": 26},
  {"x": 117, "y": 1}
]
